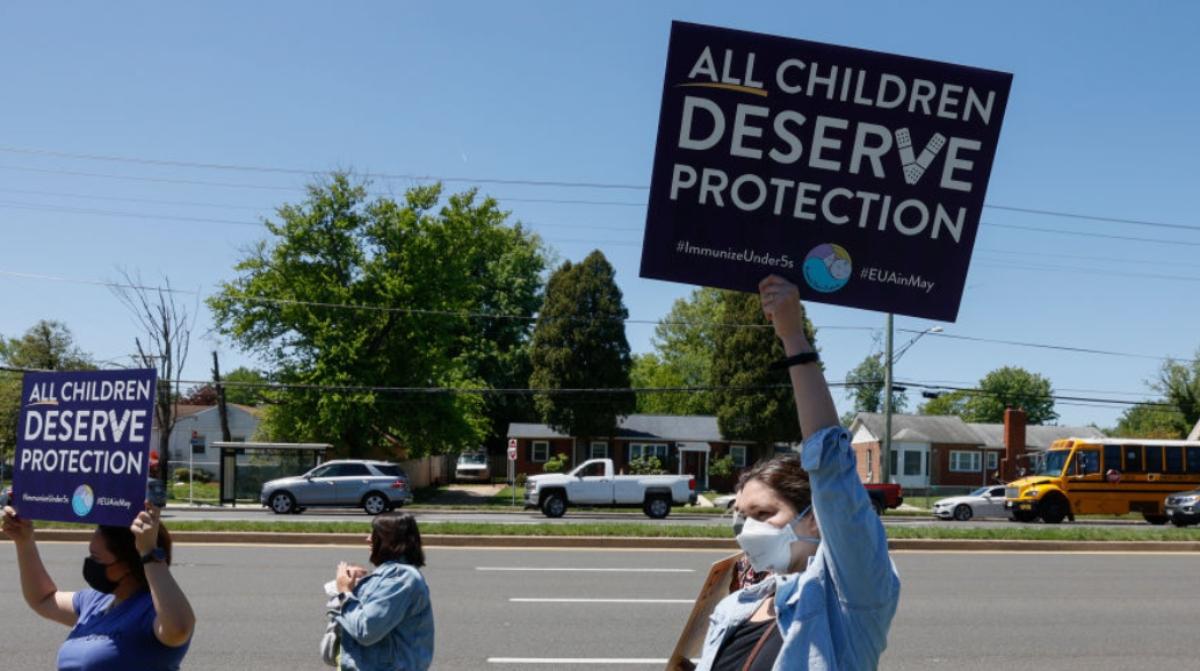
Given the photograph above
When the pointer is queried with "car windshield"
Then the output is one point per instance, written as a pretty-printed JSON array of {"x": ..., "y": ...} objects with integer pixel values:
[
  {"x": 472, "y": 459},
  {"x": 1053, "y": 462},
  {"x": 982, "y": 491}
]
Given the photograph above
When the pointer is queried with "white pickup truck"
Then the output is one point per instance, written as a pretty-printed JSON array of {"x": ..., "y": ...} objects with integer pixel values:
[{"x": 592, "y": 483}]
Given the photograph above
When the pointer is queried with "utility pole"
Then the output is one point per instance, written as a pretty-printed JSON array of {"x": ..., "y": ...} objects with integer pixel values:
[
  {"x": 885, "y": 458},
  {"x": 221, "y": 409}
]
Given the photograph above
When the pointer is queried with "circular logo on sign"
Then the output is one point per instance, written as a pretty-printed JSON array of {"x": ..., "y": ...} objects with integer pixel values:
[
  {"x": 83, "y": 500},
  {"x": 827, "y": 267}
]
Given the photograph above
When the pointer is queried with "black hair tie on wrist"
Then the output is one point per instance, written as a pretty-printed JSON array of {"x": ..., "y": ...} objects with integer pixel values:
[{"x": 795, "y": 360}]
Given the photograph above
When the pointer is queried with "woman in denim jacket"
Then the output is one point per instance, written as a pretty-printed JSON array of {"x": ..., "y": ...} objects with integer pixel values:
[
  {"x": 386, "y": 617},
  {"x": 806, "y": 518}
]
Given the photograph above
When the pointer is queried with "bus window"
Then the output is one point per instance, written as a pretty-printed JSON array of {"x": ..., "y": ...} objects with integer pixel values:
[
  {"x": 1133, "y": 459},
  {"x": 1154, "y": 459},
  {"x": 1193, "y": 460},
  {"x": 1112, "y": 458},
  {"x": 1087, "y": 462},
  {"x": 1174, "y": 459}
]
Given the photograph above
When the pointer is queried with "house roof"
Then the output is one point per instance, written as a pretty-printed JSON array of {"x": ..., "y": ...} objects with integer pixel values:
[
  {"x": 934, "y": 428},
  {"x": 952, "y": 429},
  {"x": 1037, "y": 437},
  {"x": 698, "y": 428},
  {"x": 1195, "y": 434}
]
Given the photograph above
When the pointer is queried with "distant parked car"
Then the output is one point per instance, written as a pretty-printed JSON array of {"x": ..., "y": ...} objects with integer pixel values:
[
  {"x": 376, "y": 486},
  {"x": 983, "y": 502},
  {"x": 472, "y": 466},
  {"x": 1183, "y": 508}
]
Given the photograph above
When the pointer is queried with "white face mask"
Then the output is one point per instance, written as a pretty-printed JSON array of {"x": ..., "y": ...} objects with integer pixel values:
[{"x": 768, "y": 547}]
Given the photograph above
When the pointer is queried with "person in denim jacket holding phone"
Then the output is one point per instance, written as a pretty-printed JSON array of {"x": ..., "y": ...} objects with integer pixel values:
[
  {"x": 806, "y": 518},
  {"x": 386, "y": 617}
]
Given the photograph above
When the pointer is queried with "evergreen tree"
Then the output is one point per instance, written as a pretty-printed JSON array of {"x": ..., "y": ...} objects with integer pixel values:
[
  {"x": 765, "y": 413},
  {"x": 579, "y": 342}
]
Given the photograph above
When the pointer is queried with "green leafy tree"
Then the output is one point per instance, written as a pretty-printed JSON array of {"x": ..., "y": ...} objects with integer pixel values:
[
  {"x": 235, "y": 392},
  {"x": 753, "y": 403},
  {"x": 579, "y": 343},
  {"x": 684, "y": 343},
  {"x": 47, "y": 345},
  {"x": 948, "y": 403},
  {"x": 1007, "y": 387},
  {"x": 1179, "y": 383},
  {"x": 1150, "y": 421},
  {"x": 417, "y": 273},
  {"x": 865, "y": 383}
]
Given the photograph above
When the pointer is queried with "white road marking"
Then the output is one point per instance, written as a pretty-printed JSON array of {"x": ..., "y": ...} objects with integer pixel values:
[
  {"x": 586, "y": 570},
  {"x": 564, "y": 600}
]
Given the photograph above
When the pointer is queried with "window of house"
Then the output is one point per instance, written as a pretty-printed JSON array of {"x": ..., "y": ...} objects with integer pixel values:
[
  {"x": 647, "y": 450},
  {"x": 1174, "y": 459},
  {"x": 1112, "y": 458},
  {"x": 892, "y": 463},
  {"x": 1193, "y": 460},
  {"x": 599, "y": 450},
  {"x": 912, "y": 462},
  {"x": 738, "y": 452},
  {"x": 1133, "y": 459},
  {"x": 993, "y": 460},
  {"x": 1154, "y": 459},
  {"x": 539, "y": 451},
  {"x": 964, "y": 462}
]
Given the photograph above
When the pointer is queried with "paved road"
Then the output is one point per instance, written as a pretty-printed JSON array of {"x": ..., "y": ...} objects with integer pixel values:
[
  {"x": 242, "y": 513},
  {"x": 260, "y": 608}
]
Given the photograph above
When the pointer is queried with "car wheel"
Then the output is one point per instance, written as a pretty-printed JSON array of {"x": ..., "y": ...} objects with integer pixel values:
[
  {"x": 657, "y": 507},
  {"x": 1155, "y": 519},
  {"x": 1053, "y": 509},
  {"x": 283, "y": 503},
  {"x": 375, "y": 503},
  {"x": 554, "y": 505},
  {"x": 877, "y": 505},
  {"x": 1179, "y": 523},
  {"x": 963, "y": 512}
]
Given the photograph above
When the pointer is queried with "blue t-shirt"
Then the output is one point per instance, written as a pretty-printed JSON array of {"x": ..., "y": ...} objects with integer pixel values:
[{"x": 118, "y": 639}]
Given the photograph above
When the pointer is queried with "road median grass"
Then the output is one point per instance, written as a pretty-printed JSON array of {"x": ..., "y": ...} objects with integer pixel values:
[{"x": 658, "y": 530}]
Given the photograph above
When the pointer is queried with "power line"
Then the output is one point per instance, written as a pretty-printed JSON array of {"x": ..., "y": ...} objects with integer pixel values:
[
  {"x": 533, "y": 318},
  {"x": 1087, "y": 271},
  {"x": 519, "y": 182},
  {"x": 1089, "y": 234}
]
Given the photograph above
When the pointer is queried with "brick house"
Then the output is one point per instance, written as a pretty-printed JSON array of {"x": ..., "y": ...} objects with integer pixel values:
[
  {"x": 944, "y": 451},
  {"x": 684, "y": 444}
]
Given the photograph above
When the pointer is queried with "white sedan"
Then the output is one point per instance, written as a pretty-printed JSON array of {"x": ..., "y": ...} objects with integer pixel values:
[{"x": 983, "y": 502}]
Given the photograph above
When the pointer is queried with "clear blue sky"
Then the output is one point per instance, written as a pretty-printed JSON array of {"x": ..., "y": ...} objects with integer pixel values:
[{"x": 1101, "y": 120}]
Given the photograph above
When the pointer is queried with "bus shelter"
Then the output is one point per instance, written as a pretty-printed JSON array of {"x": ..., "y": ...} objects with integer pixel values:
[{"x": 244, "y": 467}]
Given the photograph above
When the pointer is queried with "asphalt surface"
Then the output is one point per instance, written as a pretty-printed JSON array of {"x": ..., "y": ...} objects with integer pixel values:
[
  {"x": 260, "y": 608},
  {"x": 250, "y": 513}
]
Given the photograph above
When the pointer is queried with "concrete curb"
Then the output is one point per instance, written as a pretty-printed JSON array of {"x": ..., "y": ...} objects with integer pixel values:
[{"x": 620, "y": 542}]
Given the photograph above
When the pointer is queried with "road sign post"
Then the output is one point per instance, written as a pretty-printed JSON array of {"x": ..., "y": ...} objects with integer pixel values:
[{"x": 512, "y": 468}]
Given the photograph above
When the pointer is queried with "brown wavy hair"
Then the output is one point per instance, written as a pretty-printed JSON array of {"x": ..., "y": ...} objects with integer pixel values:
[
  {"x": 395, "y": 537},
  {"x": 785, "y": 476},
  {"x": 120, "y": 542}
]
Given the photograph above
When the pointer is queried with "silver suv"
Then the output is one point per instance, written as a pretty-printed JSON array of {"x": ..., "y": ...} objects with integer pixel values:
[
  {"x": 1183, "y": 508},
  {"x": 376, "y": 486}
]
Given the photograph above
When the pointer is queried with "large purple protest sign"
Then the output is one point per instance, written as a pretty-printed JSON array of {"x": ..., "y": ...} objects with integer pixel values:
[
  {"x": 858, "y": 175},
  {"x": 83, "y": 445}
]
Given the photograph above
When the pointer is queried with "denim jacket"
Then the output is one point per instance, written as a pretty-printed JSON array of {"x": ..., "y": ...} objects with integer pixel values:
[
  {"x": 836, "y": 613},
  {"x": 387, "y": 622}
]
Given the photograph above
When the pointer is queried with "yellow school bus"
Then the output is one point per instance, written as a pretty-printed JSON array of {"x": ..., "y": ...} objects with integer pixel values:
[{"x": 1086, "y": 476}]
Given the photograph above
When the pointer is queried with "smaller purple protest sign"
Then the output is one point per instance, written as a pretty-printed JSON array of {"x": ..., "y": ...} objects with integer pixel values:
[{"x": 83, "y": 445}]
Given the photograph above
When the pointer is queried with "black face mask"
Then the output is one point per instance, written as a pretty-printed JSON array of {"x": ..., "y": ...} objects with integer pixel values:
[{"x": 95, "y": 575}]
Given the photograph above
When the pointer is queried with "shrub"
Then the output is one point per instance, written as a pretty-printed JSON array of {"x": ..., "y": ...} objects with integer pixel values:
[
  {"x": 521, "y": 477},
  {"x": 646, "y": 466},
  {"x": 555, "y": 464},
  {"x": 193, "y": 475},
  {"x": 721, "y": 467}
]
